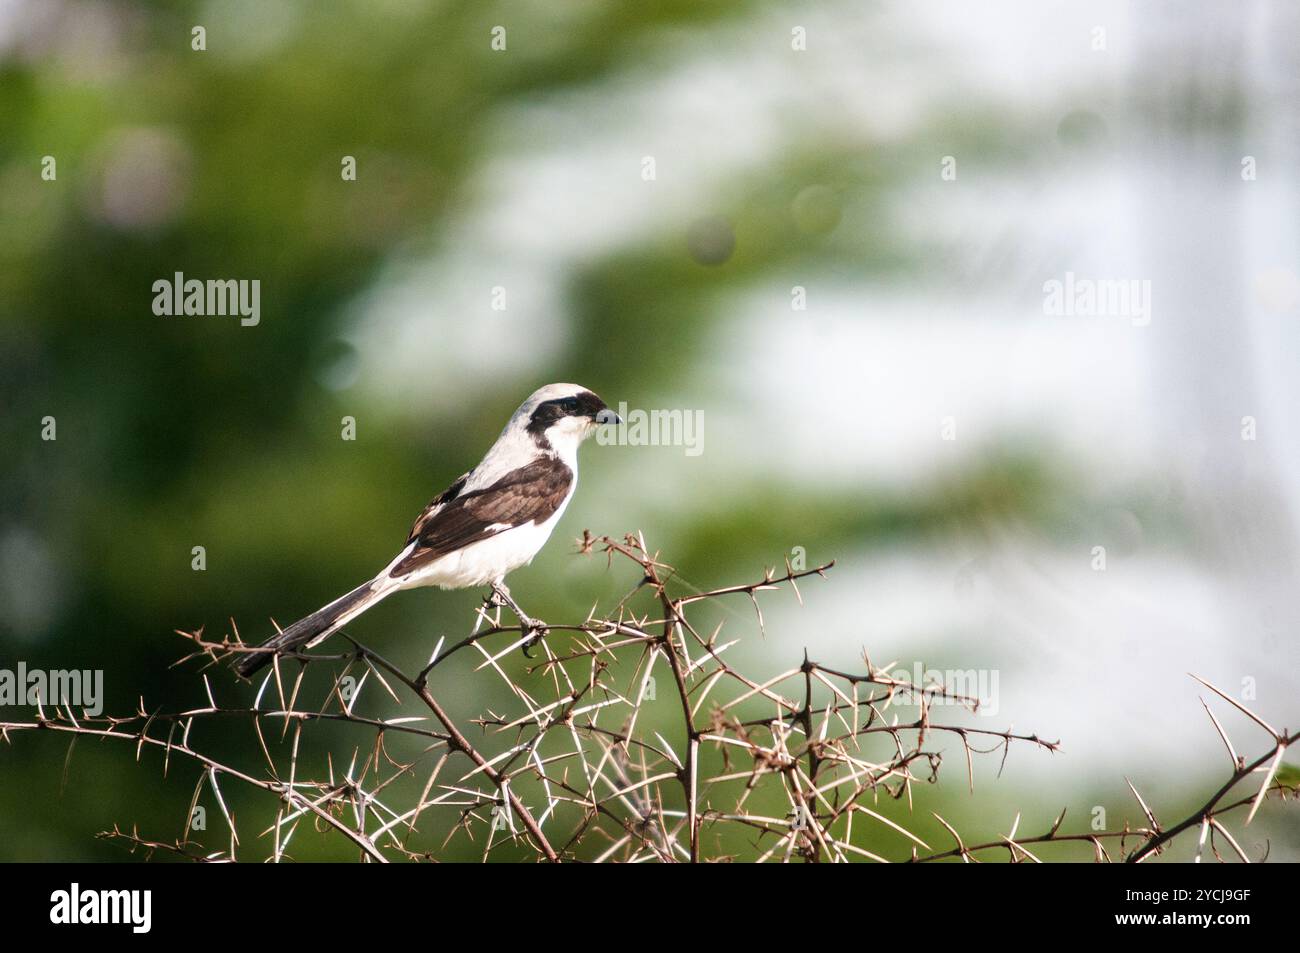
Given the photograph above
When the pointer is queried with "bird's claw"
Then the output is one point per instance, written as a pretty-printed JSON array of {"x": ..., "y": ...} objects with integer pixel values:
[{"x": 539, "y": 632}]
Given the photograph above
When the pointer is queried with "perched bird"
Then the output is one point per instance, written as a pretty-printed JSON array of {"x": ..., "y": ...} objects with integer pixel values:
[{"x": 492, "y": 520}]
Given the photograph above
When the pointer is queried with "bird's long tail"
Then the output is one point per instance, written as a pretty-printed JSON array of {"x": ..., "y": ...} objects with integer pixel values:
[{"x": 315, "y": 627}]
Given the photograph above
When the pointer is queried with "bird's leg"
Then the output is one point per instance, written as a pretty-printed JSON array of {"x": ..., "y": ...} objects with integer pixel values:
[{"x": 501, "y": 595}]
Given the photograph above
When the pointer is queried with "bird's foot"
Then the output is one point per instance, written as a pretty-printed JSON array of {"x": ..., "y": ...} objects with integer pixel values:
[
  {"x": 490, "y": 612},
  {"x": 538, "y": 630},
  {"x": 534, "y": 629}
]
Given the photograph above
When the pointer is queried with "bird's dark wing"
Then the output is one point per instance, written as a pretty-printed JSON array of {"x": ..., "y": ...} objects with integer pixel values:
[
  {"x": 530, "y": 494},
  {"x": 436, "y": 504}
]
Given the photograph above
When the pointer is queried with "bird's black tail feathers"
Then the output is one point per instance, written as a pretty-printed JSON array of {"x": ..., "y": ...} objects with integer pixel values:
[{"x": 317, "y": 625}]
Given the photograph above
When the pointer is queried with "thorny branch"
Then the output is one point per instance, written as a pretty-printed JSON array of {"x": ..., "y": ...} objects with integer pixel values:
[{"x": 812, "y": 762}]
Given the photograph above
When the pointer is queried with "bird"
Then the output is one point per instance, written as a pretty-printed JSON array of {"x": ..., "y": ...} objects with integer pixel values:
[{"x": 492, "y": 520}]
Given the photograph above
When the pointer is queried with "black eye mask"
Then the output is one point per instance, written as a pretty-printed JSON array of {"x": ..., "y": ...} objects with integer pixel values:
[{"x": 549, "y": 412}]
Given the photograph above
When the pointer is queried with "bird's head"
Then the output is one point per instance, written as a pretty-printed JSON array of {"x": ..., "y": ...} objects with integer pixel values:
[{"x": 563, "y": 415}]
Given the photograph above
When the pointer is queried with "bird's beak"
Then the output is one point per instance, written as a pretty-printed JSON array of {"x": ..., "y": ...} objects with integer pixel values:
[{"x": 608, "y": 416}]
